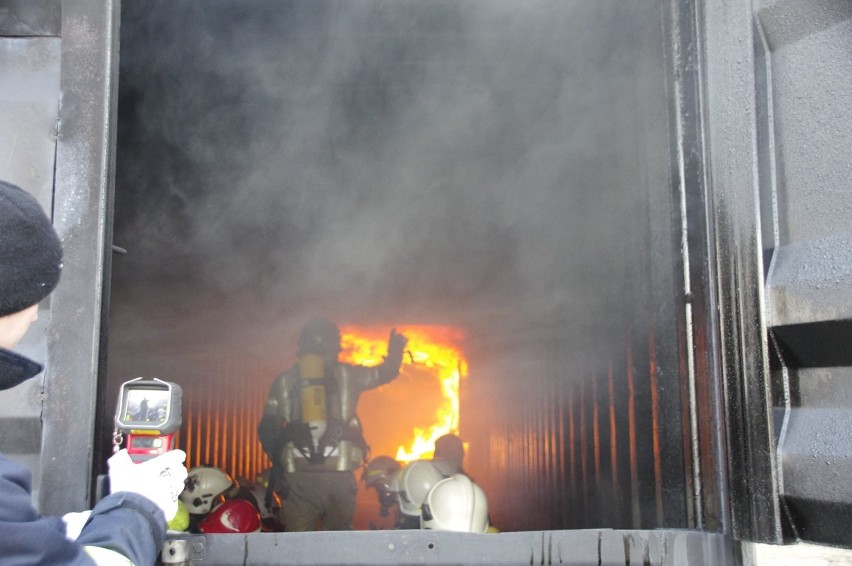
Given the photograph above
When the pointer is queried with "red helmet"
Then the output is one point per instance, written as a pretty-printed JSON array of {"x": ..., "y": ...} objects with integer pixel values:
[
  {"x": 256, "y": 495},
  {"x": 232, "y": 516}
]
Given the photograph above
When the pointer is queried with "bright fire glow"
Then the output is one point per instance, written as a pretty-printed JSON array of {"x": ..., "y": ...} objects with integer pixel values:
[{"x": 433, "y": 349}]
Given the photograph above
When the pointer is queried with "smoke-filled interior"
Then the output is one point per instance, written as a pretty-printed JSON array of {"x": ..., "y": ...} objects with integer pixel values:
[{"x": 499, "y": 170}]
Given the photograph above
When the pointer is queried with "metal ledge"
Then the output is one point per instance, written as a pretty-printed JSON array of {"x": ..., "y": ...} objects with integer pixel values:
[
  {"x": 811, "y": 282},
  {"x": 604, "y": 547}
]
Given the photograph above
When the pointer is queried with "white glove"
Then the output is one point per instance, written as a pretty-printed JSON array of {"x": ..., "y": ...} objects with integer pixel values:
[
  {"x": 159, "y": 479},
  {"x": 74, "y": 523}
]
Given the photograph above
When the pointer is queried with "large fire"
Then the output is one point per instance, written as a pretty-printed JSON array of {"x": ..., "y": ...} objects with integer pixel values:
[{"x": 433, "y": 350}]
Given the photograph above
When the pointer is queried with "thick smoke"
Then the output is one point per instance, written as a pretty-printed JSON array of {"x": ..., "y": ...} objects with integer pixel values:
[
  {"x": 464, "y": 163},
  {"x": 496, "y": 166}
]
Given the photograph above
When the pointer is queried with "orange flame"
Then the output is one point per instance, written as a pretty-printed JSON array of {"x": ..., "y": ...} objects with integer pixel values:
[{"x": 433, "y": 349}]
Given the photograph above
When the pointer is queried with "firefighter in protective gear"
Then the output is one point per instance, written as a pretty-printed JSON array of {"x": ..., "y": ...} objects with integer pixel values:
[
  {"x": 204, "y": 487},
  {"x": 455, "y": 504},
  {"x": 449, "y": 454},
  {"x": 378, "y": 474},
  {"x": 411, "y": 485},
  {"x": 312, "y": 433},
  {"x": 256, "y": 495}
]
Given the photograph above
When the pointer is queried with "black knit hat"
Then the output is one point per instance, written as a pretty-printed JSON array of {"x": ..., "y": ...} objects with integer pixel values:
[{"x": 30, "y": 251}]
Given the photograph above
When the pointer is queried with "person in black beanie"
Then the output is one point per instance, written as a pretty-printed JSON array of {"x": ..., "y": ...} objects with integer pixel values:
[
  {"x": 126, "y": 527},
  {"x": 30, "y": 264}
]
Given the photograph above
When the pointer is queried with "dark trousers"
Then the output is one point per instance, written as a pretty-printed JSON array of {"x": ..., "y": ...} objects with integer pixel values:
[{"x": 319, "y": 500}]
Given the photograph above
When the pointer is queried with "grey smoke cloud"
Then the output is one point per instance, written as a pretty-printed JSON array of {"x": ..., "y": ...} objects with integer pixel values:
[
  {"x": 455, "y": 162},
  {"x": 502, "y": 167}
]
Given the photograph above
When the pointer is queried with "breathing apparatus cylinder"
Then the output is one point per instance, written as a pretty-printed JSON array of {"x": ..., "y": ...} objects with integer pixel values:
[{"x": 313, "y": 394}]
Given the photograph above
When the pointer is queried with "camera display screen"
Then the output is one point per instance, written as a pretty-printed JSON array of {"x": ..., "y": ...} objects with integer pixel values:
[{"x": 145, "y": 407}]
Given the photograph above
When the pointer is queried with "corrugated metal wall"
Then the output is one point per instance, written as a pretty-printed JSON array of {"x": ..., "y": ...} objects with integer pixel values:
[
  {"x": 220, "y": 422},
  {"x": 579, "y": 451},
  {"x": 610, "y": 424}
]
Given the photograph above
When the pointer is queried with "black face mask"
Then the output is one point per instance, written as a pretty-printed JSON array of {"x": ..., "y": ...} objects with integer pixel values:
[{"x": 16, "y": 369}]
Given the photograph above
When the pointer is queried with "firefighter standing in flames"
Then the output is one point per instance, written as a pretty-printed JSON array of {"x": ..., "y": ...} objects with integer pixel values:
[{"x": 312, "y": 433}]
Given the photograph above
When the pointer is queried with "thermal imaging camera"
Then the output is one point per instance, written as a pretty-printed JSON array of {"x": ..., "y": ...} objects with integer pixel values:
[{"x": 149, "y": 413}]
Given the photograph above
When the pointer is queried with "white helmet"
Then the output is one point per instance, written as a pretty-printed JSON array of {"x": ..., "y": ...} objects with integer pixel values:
[
  {"x": 455, "y": 504},
  {"x": 202, "y": 488},
  {"x": 414, "y": 482}
]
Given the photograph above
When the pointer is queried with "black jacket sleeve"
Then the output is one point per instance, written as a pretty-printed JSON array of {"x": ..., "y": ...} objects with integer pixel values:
[
  {"x": 129, "y": 524},
  {"x": 269, "y": 434},
  {"x": 123, "y": 522}
]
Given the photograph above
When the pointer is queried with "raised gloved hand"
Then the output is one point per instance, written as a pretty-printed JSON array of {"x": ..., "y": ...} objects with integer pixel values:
[
  {"x": 396, "y": 346},
  {"x": 159, "y": 479},
  {"x": 396, "y": 341}
]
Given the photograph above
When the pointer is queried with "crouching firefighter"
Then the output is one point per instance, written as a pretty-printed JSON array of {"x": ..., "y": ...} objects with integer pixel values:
[{"x": 311, "y": 431}]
